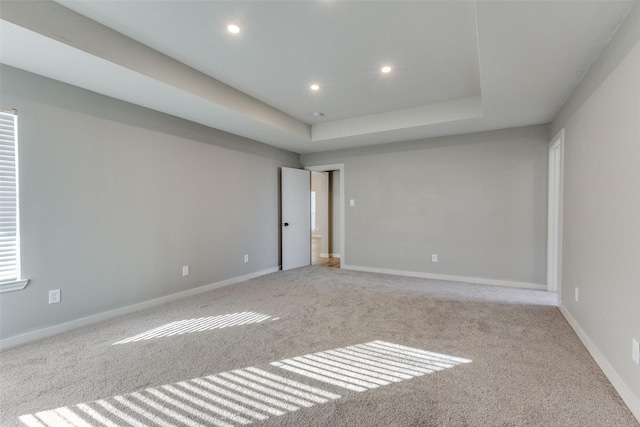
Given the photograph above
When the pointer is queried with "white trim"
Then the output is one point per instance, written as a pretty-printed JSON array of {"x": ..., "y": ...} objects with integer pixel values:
[
  {"x": 463, "y": 279},
  {"x": 62, "y": 327},
  {"x": 329, "y": 168},
  {"x": 632, "y": 402},
  {"x": 11, "y": 274},
  {"x": 554, "y": 227},
  {"x": 324, "y": 255},
  {"x": 334, "y": 255},
  {"x": 14, "y": 285}
]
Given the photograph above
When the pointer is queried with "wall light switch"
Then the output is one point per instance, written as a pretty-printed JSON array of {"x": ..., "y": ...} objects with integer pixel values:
[
  {"x": 352, "y": 202},
  {"x": 434, "y": 258},
  {"x": 576, "y": 293},
  {"x": 635, "y": 351},
  {"x": 246, "y": 258},
  {"x": 185, "y": 270}
]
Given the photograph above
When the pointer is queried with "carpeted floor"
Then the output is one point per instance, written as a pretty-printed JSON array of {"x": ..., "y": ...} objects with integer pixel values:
[{"x": 318, "y": 347}]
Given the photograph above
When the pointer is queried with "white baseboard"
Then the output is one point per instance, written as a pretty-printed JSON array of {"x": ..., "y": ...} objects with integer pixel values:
[
  {"x": 464, "y": 279},
  {"x": 633, "y": 402},
  {"x": 62, "y": 327}
]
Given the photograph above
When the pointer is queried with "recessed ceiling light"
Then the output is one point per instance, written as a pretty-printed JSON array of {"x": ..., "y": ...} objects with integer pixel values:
[
  {"x": 317, "y": 114},
  {"x": 386, "y": 69},
  {"x": 314, "y": 87},
  {"x": 233, "y": 28}
]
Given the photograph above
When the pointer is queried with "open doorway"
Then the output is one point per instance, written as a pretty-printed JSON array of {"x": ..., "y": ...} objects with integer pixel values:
[
  {"x": 554, "y": 240},
  {"x": 325, "y": 218}
]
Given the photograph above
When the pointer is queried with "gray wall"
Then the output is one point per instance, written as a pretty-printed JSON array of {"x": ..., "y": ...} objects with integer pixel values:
[
  {"x": 601, "y": 236},
  {"x": 117, "y": 198},
  {"x": 478, "y": 201}
]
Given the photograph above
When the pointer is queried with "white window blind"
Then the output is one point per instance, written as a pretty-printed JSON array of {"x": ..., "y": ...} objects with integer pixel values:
[{"x": 9, "y": 227}]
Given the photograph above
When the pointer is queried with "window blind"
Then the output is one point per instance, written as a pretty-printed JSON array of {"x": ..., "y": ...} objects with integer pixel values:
[{"x": 9, "y": 229}]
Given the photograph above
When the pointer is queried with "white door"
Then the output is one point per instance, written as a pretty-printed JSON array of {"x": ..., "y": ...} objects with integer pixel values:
[{"x": 296, "y": 218}]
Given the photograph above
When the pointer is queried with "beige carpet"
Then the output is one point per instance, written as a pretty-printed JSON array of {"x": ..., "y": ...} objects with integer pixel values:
[{"x": 318, "y": 347}]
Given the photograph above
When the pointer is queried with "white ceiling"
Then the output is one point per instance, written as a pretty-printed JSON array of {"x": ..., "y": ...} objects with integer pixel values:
[{"x": 458, "y": 66}]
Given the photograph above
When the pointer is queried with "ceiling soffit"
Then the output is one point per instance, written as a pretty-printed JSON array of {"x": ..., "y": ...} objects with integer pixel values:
[{"x": 446, "y": 81}]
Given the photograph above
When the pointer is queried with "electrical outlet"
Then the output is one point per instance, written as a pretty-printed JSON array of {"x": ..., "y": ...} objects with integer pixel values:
[
  {"x": 246, "y": 258},
  {"x": 434, "y": 258},
  {"x": 185, "y": 270},
  {"x": 576, "y": 295},
  {"x": 635, "y": 350},
  {"x": 54, "y": 296}
]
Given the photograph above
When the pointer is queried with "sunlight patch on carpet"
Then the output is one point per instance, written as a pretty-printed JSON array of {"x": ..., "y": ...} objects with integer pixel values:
[
  {"x": 228, "y": 399},
  {"x": 198, "y": 325},
  {"x": 244, "y": 396},
  {"x": 365, "y": 366}
]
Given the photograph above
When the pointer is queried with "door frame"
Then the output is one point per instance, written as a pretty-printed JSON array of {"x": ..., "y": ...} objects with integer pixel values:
[
  {"x": 554, "y": 235},
  {"x": 330, "y": 168}
]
